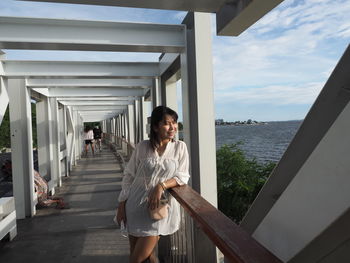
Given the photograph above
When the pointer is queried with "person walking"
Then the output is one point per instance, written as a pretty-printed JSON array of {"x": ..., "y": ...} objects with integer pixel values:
[
  {"x": 97, "y": 138},
  {"x": 155, "y": 166},
  {"x": 88, "y": 139}
]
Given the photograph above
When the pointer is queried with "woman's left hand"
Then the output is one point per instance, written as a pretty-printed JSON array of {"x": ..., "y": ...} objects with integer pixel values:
[{"x": 154, "y": 197}]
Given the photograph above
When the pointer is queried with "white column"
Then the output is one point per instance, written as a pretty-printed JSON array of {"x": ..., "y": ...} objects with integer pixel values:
[
  {"x": 78, "y": 149},
  {"x": 70, "y": 139},
  {"x": 136, "y": 121},
  {"x": 156, "y": 93},
  {"x": 198, "y": 117},
  {"x": 42, "y": 124},
  {"x": 55, "y": 142},
  {"x": 22, "y": 148},
  {"x": 144, "y": 114},
  {"x": 131, "y": 124},
  {"x": 171, "y": 95},
  {"x": 66, "y": 139}
]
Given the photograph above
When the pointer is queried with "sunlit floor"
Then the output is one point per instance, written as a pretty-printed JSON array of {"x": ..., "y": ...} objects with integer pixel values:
[{"x": 83, "y": 233}]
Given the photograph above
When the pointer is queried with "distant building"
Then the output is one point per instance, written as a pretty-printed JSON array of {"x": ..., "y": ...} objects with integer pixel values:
[{"x": 219, "y": 121}]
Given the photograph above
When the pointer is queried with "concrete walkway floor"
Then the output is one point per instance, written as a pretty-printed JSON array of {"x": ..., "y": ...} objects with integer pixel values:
[{"x": 85, "y": 232}]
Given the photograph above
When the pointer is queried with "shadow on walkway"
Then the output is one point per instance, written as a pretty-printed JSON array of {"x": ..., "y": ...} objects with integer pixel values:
[{"x": 85, "y": 232}]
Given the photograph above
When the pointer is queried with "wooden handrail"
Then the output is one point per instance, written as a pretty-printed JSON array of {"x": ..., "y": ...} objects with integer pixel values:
[{"x": 236, "y": 244}]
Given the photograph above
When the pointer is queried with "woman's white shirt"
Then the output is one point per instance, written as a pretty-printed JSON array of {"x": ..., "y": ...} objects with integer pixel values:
[
  {"x": 143, "y": 172},
  {"x": 89, "y": 135}
]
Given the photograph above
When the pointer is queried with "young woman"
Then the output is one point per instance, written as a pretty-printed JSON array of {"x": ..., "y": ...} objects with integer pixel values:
[
  {"x": 156, "y": 165},
  {"x": 88, "y": 139}
]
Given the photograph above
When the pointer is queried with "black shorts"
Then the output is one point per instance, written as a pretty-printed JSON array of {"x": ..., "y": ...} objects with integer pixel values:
[{"x": 87, "y": 142}]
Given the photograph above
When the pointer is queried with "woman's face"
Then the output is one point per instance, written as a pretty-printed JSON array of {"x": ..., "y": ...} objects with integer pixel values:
[{"x": 167, "y": 128}]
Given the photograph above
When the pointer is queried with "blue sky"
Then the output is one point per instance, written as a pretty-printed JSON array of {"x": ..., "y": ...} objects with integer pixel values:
[{"x": 273, "y": 71}]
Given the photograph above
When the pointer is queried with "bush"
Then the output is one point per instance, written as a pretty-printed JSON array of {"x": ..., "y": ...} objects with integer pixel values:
[{"x": 239, "y": 180}]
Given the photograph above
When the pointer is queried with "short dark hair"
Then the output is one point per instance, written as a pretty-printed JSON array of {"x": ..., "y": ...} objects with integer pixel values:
[{"x": 158, "y": 115}]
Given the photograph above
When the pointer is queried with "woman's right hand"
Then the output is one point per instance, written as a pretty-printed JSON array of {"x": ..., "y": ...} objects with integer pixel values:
[{"x": 121, "y": 215}]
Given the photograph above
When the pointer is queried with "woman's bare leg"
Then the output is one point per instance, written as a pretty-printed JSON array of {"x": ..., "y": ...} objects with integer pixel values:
[
  {"x": 143, "y": 249},
  {"x": 132, "y": 243},
  {"x": 92, "y": 148},
  {"x": 86, "y": 149}
]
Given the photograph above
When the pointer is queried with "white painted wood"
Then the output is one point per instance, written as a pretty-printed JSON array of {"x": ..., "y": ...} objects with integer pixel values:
[
  {"x": 55, "y": 142},
  {"x": 7, "y": 205},
  {"x": 71, "y": 140},
  {"x": 145, "y": 114},
  {"x": 8, "y": 226},
  {"x": 171, "y": 95},
  {"x": 189, "y": 5},
  {"x": 27, "y": 68},
  {"x": 100, "y": 107},
  {"x": 317, "y": 196},
  {"x": 156, "y": 93},
  {"x": 233, "y": 19},
  {"x": 64, "y": 34},
  {"x": 198, "y": 117},
  {"x": 22, "y": 147},
  {"x": 69, "y": 82},
  {"x": 92, "y": 92},
  {"x": 95, "y": 103},
  {"x": 43, "y": 137}
]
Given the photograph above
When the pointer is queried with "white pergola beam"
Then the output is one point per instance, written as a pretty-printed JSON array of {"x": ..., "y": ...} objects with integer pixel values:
[
  {"x": 84, "y": 35},
  {"x": 97, "y": 108},
  {"x": 30, "y": 68},
  {"x": 99, "y": 99},
  {"x": 63, "y": 82},
  {"x": 193, "y": 5},
  {"x": 234, "y": 18},
  {"x": 95, "y": 103},
  {"x": 92, "y": 92}
]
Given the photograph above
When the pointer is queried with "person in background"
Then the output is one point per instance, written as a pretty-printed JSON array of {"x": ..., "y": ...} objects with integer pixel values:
[
  {"x": 97, "y": 138},
  {"x": 155, "y": 166},
  {"x": 88, "y": 139}
]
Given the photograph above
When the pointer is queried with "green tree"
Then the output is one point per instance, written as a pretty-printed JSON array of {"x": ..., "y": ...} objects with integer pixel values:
[
  {"x": 239, "y": 180},
  {"x": 5, "y": 137}
]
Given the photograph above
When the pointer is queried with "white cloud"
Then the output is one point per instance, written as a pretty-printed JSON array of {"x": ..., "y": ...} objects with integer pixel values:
[
  {"x": 276, "y": 95},
  {"x": 299, "y": 42}
]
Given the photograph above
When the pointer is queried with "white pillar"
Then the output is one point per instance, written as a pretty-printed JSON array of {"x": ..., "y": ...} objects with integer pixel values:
[
  {"x": 21, "y": 147},
  {"x": 136, "y": 121},
  {"x": 144, "y": 113},
  {"x": 198, "y": 118},
  {"x": 171, "y": 95},
  {"x": 156, "y": 93},
  {"x": 55, "y": 142},
  {"x": 43, "y": 134},
  {"x": 131, "y": 124},
  {"x": 65, "y": 137},
  {"x": 70, "y": 139}
]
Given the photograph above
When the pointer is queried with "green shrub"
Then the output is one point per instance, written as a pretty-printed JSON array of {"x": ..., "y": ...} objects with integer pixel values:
[{"x": 239, "y": 180}]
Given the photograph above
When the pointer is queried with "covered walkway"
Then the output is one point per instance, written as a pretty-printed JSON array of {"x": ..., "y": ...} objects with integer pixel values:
[{"x": 83, "y": 233}]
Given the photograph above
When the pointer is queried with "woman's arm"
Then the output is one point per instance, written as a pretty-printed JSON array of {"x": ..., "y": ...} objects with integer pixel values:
[{"x": 128, "y": 179}]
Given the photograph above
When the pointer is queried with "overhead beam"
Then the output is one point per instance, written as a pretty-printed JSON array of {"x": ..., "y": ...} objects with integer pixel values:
[
  {"x": 198, "y": 5},
  {"x": 64, "y": 34},
  {"x": 93, "y": 82},
  {"x": 98, "y": 108},
  {"x": 92, "y": 92},
  {"x": 95, "y": 103},
  {"x": 98, "y": 99},
  {"x": 29, "y": 68},
  {"x": 236, "y": 16}
]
